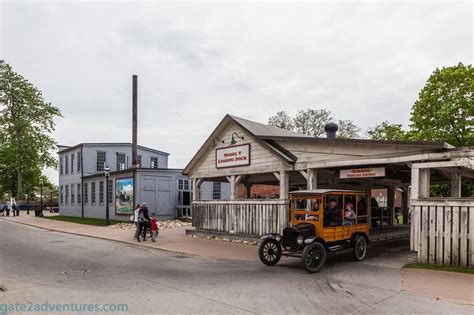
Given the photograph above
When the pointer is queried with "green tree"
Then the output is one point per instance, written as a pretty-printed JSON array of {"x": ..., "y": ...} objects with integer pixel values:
[
  {"x": 26, "y": 124},
  {"x": 312, "y": 121},
  {"x": 281, "y": 120},
  {"x": 347, "y": 130},
  {"x": 445, "y": 108},
  {"x": 387, "y": 131}
]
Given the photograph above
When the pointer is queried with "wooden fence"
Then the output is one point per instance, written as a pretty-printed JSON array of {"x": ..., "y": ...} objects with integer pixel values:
[
  {"x": 244, "y": 217},
  {"x": 442, "y": 231}
]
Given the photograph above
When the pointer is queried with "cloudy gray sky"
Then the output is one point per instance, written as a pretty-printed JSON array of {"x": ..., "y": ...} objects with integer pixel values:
[{"x": 197, "y": 61}]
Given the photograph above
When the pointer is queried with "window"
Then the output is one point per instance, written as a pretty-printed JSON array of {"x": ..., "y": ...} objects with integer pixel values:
[
  {"x": 73, "y": 196},
  {"x": 79, "y": 194},
  {"x": 79, "y": 162},
  {"x": 101, "y": 155},
  {"x": 216, "y": 190},
  {"x": 61, "y": 195},
  {"x": 183, "y": 184},
  {"x": 86, "y": 193},
  {"x": 101, "y": 192},
  {"x": 72, "y": 162},
  {"x": 120, "y": 161},
  {"x": 93, "y": 193},
  {"x": 66, "y": 166},
  {"x": 110, "y": 190},
  {"x": 139, "y": 160},
  {"x": 67, "y": 194},
  {"x": 61, "y": 166},
  {"x": 153, "y": 162}
]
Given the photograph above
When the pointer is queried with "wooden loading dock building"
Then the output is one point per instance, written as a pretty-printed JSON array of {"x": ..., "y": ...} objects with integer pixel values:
[{"x": 246, "y": 153}]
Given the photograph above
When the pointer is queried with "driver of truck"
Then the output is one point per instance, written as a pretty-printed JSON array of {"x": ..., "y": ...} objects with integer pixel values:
[{"x": 332, "y": 214}]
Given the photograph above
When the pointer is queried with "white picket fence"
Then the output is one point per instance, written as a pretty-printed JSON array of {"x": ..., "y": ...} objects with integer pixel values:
[
  {"x": 243, "y": 217},
  {"x": 442, "y": 231}
]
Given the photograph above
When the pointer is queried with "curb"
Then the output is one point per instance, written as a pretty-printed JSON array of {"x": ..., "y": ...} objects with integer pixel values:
[{"x": 106, "y": 239}]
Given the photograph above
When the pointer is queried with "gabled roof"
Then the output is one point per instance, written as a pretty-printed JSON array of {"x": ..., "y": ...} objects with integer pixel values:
[
  {"x": 262, "y": 130},
  {"x": 267, "y": 136}
]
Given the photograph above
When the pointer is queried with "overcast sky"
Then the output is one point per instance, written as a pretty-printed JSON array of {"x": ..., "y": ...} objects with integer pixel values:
[{"x": 198, "y": 61}]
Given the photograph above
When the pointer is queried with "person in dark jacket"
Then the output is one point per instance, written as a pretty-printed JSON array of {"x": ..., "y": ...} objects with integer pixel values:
[
  {"x": 143, "y": 221},
  {"x": 332, "y": 214}
]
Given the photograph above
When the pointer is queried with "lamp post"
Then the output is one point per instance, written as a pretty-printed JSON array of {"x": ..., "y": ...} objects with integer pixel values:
[
  {"x": 41, "y": 197},
  {"x": 106, "y": 173}
]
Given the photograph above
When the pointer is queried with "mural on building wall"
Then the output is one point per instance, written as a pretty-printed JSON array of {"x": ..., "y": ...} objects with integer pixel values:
[{"x": 124, "y": 195}]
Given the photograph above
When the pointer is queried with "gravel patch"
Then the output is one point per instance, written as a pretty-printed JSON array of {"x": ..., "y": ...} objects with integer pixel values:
[
  {"x": 223, "y": 239},
  {"x": 168, "y": 224}
]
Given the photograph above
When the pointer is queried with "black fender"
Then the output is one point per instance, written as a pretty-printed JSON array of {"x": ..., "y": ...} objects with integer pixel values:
[
  {"x": 313, "y": 239},
  {"x": 267, "y": 236}
]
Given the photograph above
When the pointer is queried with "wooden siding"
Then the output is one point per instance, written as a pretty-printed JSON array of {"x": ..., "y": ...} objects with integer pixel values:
[
  {"x": 261, "y": 159},
  {"x": 246, "y": 217},
  {"x": 442, "y": 231}
]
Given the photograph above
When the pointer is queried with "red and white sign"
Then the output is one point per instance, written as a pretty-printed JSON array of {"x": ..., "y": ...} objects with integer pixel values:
[
  {"x": 363, "y": 172},
  {"x": 236, "y": 155}
]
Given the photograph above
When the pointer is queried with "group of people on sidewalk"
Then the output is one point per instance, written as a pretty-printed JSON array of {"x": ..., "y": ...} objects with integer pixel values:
[
  {"x": 145, "y": 223},
  {"x": 7, "y": 206}
]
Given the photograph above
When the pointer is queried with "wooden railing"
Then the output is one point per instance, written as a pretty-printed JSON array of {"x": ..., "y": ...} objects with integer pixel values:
[
  {"x": 243, "y": 217},
  {"x": 442, "y": 231}
]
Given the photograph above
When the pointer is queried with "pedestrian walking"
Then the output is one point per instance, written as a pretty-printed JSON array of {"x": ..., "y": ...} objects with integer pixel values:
[
  {"x": 9, "y": 207},
  {"x": 2, "y": 208},
  {"x": 135, "y": 219},
  {"x": 14, "y": 209},
  {"x": 143, "y": 220},
  {"x": 153, "y": 227}
]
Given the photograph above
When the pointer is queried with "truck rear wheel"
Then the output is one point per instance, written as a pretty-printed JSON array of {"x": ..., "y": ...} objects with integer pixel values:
[{"x": 360, "y": 248}]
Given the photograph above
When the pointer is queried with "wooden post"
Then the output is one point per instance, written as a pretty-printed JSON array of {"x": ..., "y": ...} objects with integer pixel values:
[
  {"x": 415, "y": 179},
  {"x": 284, "y": 184},
  {"x": 424, "y": 183},
  {"x": 231, "y": 180},
  {"x": 390, "y": 205},
  {"x": 456, "y": 185},
  {"x": 312, "y": 180},
  {"x": 405, "y": 205},
  {"x": 197, "y": 188}
]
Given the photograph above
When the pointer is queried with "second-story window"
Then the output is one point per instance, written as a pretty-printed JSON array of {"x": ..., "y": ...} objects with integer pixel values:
[
  {"x": 66, "y": 164},
  {"x": 72, "y": 163},
  {"x": 120, "y": 161},
  {"x": 153, "y": 162},
  {"x": 61, "y": 166},
  {"x": 79, "y": 162},
  {"x": 101, "y": 156}
]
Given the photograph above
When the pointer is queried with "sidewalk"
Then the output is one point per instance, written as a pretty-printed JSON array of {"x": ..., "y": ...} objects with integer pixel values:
[{"x": 171, "y": 239}]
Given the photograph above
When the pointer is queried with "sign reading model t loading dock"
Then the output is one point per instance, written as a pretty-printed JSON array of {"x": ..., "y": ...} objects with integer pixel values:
[
  {"x": 236, "y": 155},
  {"x": 363, "y": 172}
]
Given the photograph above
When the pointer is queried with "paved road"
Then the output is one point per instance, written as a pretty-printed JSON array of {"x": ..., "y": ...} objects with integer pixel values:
[{"x": 39, "y": 266}]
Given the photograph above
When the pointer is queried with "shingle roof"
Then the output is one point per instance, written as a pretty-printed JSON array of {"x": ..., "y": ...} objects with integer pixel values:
[{"x": 261, "y": 130}]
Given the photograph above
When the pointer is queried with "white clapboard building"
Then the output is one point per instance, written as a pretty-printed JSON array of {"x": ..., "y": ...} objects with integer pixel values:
[{"x": 83, "y": 188}]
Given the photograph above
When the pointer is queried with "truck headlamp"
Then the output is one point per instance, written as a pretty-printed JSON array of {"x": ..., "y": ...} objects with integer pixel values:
[
  {"x": 300, "y": 239},
  {"x": 278, "y": 237}
]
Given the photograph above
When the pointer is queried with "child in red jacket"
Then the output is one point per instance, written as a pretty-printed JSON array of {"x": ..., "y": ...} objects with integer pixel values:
[{"x": 153, "y": 227}]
